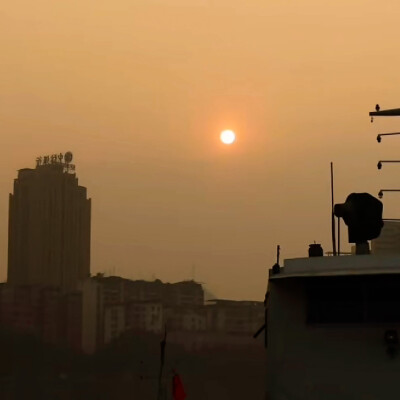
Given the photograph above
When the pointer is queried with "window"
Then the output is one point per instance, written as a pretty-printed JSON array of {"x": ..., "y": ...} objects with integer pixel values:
[
  {"x": 383, "y": 299},
  {"x": 353, "y": 299}
]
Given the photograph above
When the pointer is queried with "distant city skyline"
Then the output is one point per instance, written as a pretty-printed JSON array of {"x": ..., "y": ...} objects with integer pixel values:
[{"x": 140, "y": 91}]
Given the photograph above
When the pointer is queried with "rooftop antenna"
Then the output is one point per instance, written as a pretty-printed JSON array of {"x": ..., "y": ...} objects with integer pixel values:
[
  {"x": 276, "y": 267},
  {"x": 278, "y": 253},
  {"x": 333, "y": 215}
]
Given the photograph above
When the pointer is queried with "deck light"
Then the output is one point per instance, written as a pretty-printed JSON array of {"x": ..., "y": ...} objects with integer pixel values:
[
  {"x": 380, "y": 194},
  {"x": 379, "y": 137},
  {"x": 391, "y": 340},
  {"x": 386, "y": 161},
  {"x": 391, "y": 337}
]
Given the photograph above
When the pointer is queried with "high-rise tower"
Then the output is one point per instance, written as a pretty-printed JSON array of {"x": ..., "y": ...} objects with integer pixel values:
[{"x": 49, "y": 225}]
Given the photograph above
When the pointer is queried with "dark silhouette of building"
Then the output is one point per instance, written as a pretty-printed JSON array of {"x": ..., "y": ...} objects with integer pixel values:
[{"x": 49, "y": 226}]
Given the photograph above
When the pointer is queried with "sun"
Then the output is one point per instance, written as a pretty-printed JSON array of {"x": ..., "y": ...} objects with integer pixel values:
[{"x": 227, "y": 136}]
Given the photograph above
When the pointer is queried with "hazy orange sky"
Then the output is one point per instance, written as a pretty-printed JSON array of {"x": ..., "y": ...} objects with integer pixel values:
[{"x": 139, "y": 92}]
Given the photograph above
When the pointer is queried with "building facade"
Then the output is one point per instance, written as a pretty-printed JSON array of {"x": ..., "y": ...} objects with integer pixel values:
[
  {"x": 49, "y": 226},
  {"x": 145, "y": 316},
  {"x": 114, "y": 322},
  {"x": 235, "y": 317},
  {"x": 69, "y": 320}
]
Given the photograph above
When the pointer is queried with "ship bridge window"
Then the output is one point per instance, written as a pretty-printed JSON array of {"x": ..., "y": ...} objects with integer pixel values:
[{"x": 363, "y": 299}]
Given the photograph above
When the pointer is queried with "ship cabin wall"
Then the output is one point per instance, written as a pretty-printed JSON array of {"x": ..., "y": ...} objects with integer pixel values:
[{"x": 333, "y": 356}]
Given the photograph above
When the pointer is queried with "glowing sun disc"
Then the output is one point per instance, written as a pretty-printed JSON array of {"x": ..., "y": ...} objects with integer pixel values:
[{"x": 227, "y": 137}]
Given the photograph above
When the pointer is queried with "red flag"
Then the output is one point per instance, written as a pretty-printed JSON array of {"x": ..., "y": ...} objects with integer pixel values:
[{"x": 178, "y": 392}]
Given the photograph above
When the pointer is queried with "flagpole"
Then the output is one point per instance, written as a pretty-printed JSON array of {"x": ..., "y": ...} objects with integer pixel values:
[{"x": 162, "y": 345}]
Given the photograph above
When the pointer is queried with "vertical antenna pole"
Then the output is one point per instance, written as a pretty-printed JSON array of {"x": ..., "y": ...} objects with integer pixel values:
[
  {"x": 333, "y": 216},
  {"x": 278, "y": 252}
]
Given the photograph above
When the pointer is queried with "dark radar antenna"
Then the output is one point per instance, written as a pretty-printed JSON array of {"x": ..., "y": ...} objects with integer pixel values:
[{"x": 362, "y": 213}]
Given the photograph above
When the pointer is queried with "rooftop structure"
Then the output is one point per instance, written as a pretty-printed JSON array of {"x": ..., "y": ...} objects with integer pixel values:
[
  {"x": 339, "y": 266},
  {"x": 389, "y": 240}
]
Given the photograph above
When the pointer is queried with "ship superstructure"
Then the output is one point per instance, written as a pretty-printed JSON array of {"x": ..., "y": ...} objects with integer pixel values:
[{"x": 332, "y": 328}]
